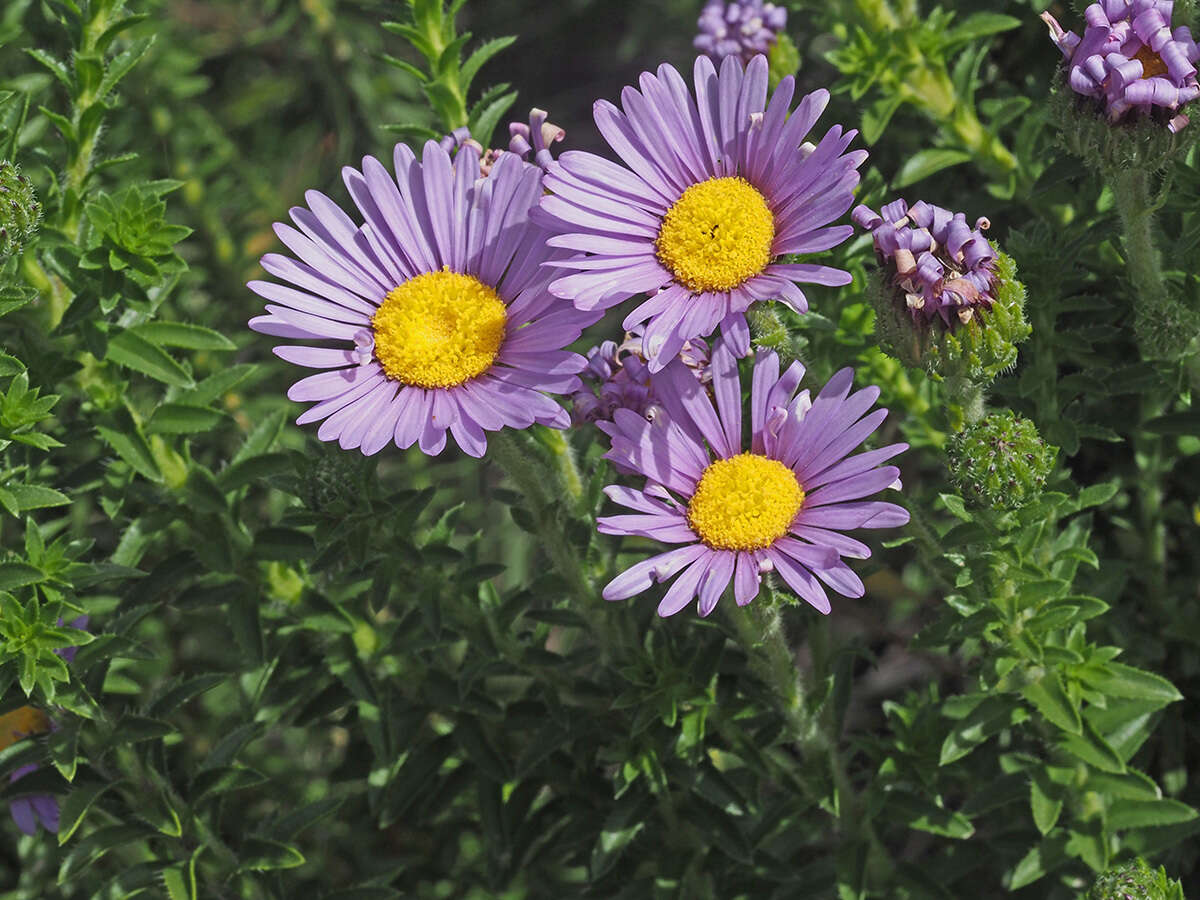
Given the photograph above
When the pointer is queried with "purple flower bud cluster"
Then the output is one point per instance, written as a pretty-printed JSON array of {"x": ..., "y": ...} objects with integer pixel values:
[
  {"x": 941, "y": 265},
  {"x": 616, "y": 377},
  {"x": 741, "y": 28},
  {"x": 535, "y": 138},
  {"x": 1130, "y": 57},
  {"x": 530, "y": 142}
]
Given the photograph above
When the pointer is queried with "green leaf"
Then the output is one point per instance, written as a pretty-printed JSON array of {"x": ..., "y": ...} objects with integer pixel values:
[
  {"x": 1119, "y": 680},
  {"x": 1124, "y": 813},
  {"x": 132, "y": 448},
  {"x": 223, "y": 780},
  {"x": 1045, "y": 801},
  {"x": 135, "y": 352},
  {"x": 10, "y": 365},
  {"x": 16, "y": 574},
  {"x": 920, "y": 812},
  {"x": 1038, "y": 862},
  {"x": 1051, "y": 700},
  {"x": 484, "y": 121},
  {"x": 979, "y": 25},
  {"x": 182, "y": 334},
  {"x": 1097, "y": 494},
  {"x": 75, "y": 807},
  {"x": 180, "y": 418},
  {"x": 285, "y": 544},
  {"x": 1175, "y": 423},
  {"x": 924, "y": 163},
  {"x": 1093, "y": 749},
  {"x": 35, "y": 496},
  {"x": 181, "y": 693},
  {"x": 955, "y": 505},
  {"x": 481, "y": 55},
  {"x": 262, "y": 854}
]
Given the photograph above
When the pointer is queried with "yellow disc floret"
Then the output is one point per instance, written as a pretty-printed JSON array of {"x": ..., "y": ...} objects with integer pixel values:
[
  {"x": 716, "y": 235},
  {"x": 439, "y": 329},
  {"x": 1152, "y": 63},
  {"x": 745, "y": 502}
]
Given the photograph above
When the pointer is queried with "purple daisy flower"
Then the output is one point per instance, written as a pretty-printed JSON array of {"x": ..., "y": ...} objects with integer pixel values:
[
  {"x": 617, "y": 377},
  {"x": 1130, "y": 57},
  {"x": 442, "y": 295},
  {"x": 781, "y": 505},
  {"x": 741, "y": 28},
  {"x": 718, "y": 188},
  {"x": 938, "y": 263}
]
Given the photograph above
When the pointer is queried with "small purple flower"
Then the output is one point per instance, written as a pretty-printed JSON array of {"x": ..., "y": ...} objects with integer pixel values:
[
  {"x": 617, "y": 377},
  {"x": 443, "y": 295},
  {"x": 938, "y": 263},
  {"x": 719, "y": 186},
  {"x": 27, "y": 812},
  {"x": 79, "y": 623},
  {"x": 741, "y": 28},
  {"x": 782, "y": 505},
  {"x": 1130, "y": 57}
]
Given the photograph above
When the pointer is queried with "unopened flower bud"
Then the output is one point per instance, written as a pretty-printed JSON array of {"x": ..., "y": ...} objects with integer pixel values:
[
  {"x": 1000, "y": 462},
  {"x": 1135, "y": 881},
  {"x": 20, "y": 210},
  {"x": 946, "y": 299}
]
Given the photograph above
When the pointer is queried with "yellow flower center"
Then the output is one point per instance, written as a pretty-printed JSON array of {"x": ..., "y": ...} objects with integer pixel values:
[
  {"x": 439, "y": 329},
  {"x": 22, "y": 722},
  {"x": 716, "y": 235},
  {"x": 1152, "y": 63},
  {"x": 746, "y": 502}
]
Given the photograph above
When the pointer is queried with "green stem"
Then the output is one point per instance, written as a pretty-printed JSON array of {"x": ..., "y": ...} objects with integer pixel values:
[
  {"x": 1148, "y": 452},
  {"x": 759, "y": 629},
  {"x": 515, "y": 453},
  {"x": 967, "y": 395},
  {"x": 1165, "y": 328}
]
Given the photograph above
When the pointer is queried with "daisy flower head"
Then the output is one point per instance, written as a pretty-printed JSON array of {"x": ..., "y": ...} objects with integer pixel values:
[
  {"x": 716, "y": 188},
  {"x": 1130, "y": 58},
  {"x": 741, "y": 28},
  {"x": 438, "y": 300},
  {"x": 782, "y": 504}
]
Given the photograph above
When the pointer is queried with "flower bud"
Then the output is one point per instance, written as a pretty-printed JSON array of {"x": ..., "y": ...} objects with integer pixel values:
[
  {"x": 946, "y": 299},
  {"x": 1135, "y": 881},
  {"x": 1000, "y": 462},
  {"x": 20, "y": 211}
]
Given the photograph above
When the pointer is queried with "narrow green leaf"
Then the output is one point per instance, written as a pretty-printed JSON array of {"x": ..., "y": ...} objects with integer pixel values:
[
  {"x": 75, "y": 807},
  {"x": 16, "y": 574},
  {"x": 132, "y": 448},
  {"x": 36, "y": 496},
  {"x": 1045, "y": 802},
  {"x": 135, "y": 352},
  {"x": 920, "y": 812},
  {"x": 1093, "y": 749},
  {"x": 1119, "y": 680},
  {"x": 183, "y": 334},
  {"x": 924, "y": 163},
  {"x": 1051, "y": 700},
  {"x": 979, "y": 25},
  {"x": 1148, "y": 813},
  {"x": 180, "y": 418},
  {"x": 261, "y": 855},
  {"x": 479, "y": 56}
]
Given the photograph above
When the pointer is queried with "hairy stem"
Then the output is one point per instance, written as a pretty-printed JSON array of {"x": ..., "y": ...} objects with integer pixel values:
[
  {"x": 516, "y": 454},
  {"x": 968, "y": 396}
]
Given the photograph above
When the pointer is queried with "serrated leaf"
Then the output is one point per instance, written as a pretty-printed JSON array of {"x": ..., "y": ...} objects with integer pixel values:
[
  {"x": 36, "y": 496},
  {"x": 135, "y": 352},
  {"x": 180, "y": 694},
  {"x": 1093, "y": 749},
  {"x": 1045, "y": 802},
  {"x": 16, "y": 574},
  {"x": 263, "y": 855},
  {"x": 76, "y": 805},
  {"x": 1051, "y": 700},
  {"x": 180, "y": 418},
  {"x": 224, "y": 780},
  {"x": 1119, "y": 680},
  {"x": 921, "y": 813},
  {"x": 132, "y": 448},
  {"x": 478, "y": 57},
  {"x": 183, "y": 334},
  {"x": 1123, "y": 813}
]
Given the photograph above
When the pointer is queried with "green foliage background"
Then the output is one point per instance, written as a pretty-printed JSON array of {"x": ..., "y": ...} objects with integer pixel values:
[{"x": 314, "y": 675}]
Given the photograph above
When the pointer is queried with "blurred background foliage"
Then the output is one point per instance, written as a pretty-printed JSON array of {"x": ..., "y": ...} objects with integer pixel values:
[{"x": 321, "y": 676}]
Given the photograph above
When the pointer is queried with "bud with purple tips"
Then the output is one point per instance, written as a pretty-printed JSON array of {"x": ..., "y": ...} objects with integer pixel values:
[
  {"x": 742, "y": 28},
  {"x": 534, "y": 140},
  {"x": 1130, "y": 58},
  {"x": 947, "y": 300}
]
